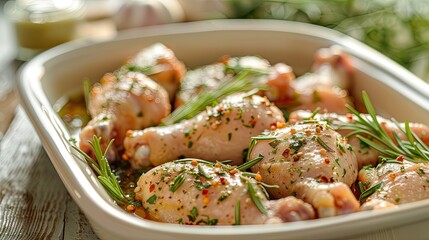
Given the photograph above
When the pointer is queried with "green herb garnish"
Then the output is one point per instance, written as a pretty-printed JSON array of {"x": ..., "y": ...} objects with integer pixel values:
[
  {"x": 102, "y": 169},
  {"x": 323, "y": 144},
  {"x": 177, "y": 182},
  {"x": 242, "y": 82},
  {"x": 368, "y": 130},
  {"x": 255, "y": 198},
  {"x": 251, "y": 163},
  {"x": 237, "y": 213},
  {"x": 364, "y": 195}
]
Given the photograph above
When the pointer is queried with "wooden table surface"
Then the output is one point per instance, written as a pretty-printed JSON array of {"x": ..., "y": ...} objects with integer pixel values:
[{"x": 34, "y": 203}]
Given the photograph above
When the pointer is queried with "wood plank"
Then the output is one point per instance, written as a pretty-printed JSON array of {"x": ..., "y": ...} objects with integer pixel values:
[{"x": 34, "y": 203}]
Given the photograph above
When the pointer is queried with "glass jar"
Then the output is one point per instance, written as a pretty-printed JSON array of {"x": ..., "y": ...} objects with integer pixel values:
[{"x": 42, "y": 24}]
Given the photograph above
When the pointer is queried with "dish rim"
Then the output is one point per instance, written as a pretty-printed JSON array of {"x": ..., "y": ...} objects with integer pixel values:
[{"x": 88, "y": 198}]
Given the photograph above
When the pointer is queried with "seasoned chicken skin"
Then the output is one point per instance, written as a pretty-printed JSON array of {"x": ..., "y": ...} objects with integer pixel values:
[
  {"x": 160, "y": 64},
  {"x": 402, "y": 182},
  {"x": 365, "y": 155},
  {"x": 131, "y": 102},
  {"x": 311, "y": 161},
  {"x": 200, "y": 193},
  {"x": 219, "y": 133},
  {"x": 277, "y": 78},
  {"x": 326, "y": 87}
]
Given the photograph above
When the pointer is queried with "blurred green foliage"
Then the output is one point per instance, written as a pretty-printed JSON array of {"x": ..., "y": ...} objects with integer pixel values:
[{"x": 397, "y": 28}]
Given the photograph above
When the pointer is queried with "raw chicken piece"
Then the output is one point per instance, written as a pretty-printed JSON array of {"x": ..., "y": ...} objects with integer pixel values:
[
  {"x": 326, "y": 87},
  {"x": 276, "y": 77},
  {"x": 312, "y": 162},
  {"x": 403, "y": 182},
  {"x": 160, "y": 64},
  {"x": 196, "y": 192},
  {"x": 131, "y": 102},
  {"x": 365, "y": 155},
  {"x": 219, "y": 133}
]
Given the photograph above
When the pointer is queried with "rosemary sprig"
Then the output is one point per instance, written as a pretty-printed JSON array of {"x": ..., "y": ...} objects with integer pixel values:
[
  {"x": 242, "y": 82},
  {"x": 365, "y": 194},
  {"x": 323, "y": 144},
  {"x": 255, "y": 198},
  {"x": 177, "y": 182},
  {"x": 102, "y": 169},
  {"x": 251, "y": 163},
  {"x": 368, "y": 130},
  {"x": 237, "y": 213}
]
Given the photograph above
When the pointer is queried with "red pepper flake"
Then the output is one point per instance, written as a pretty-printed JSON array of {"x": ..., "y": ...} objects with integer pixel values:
[
  {"x": 280, "y": 125},
  {"x": 324, "y": 179},
  {"x": 253, "y": 122},
  {"x": 152, "y": 187},
  {"x": 131, "y": 208},
  {"x": 125, "y": 157},
  {"x": 233, "y": 171},
  {"x": 400, "y": 158},
  {"x": 293, "y": 130},
  {"x": 273, "y": 126},
  {"x": 258, "y": 177},
  {"x": 307, "y": 132},
  {"x": 129, "y": 133},
  {"x": 222, "y": 180},
  {"x": 205, "y": 191},
  {"x": 349, "y": 117},
  {"x": 206, "y": 200},
  {"x": 327, "y": 161},
  {"x": 194, "y": 162},
  {"x": 286, "y": 153},
  {"x": 392, "y": 177}
]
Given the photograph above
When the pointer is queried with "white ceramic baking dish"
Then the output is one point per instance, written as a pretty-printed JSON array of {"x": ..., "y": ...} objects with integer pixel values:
[{"x": 60, "y": 71}]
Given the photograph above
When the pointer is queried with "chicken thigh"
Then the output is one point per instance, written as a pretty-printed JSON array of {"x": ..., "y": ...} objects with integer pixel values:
[
  {"x": 365, "y": 154},
  {"x": 396, "y": 183},
  {"x": 277, "y": 77},
  {"x": 219, "y": 133},
  {"x": 196, "y": 192},
  {"x": 311, "y": 161},
  {"x": 131, "y": 102},
  {"x": 326, "y": 87},
  {"x": 160, "y": 64}
]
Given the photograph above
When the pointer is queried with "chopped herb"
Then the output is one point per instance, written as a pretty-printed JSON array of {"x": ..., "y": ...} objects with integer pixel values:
[
  {"x": 341, "y": 147},
  {"x": 361, "y": 188},
  {"x": 152, "y": 199},
  {"x": 255, "y": 199},
  {"x": 323, "y": 144},
  {"x": 237, "y": 213},
  {"x": 229, "y": 136},
  {"x": 190, "y": 143},
  {"x": 223, "y": 196},
  {"x": 177, "y": 182},
  {"x": 367, "y": 167},
  {"x": 274, "y": 143},
  {"x": 420, "y": 171},
  {"x": 201, "y": 186},
  {"x": 203, "y": 173},
  {"x": 180, "y": 221},
  {"x": 296, "y": 145},
  {"x": 194, "y": 214}
]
